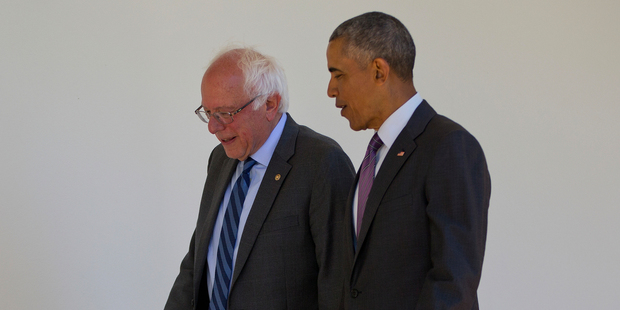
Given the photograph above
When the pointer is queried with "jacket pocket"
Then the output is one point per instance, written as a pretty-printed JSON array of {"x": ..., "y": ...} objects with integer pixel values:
[{"x": 280, "y": 223}]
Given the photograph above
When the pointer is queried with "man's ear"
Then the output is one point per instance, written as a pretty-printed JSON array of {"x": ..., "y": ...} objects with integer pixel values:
[
  {"x": 381, "y": 70},
  {"x": 272, "y": 105}
]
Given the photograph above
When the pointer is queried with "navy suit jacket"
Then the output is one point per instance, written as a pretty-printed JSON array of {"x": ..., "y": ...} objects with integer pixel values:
[
  {"x": 288, "y": 255},
  {"x": 423, "y": 232}
]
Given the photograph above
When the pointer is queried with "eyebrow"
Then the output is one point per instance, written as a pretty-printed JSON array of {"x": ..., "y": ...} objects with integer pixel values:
[
  {"x": 219, "y": 109},
  {"x": 332, "y": 69}
]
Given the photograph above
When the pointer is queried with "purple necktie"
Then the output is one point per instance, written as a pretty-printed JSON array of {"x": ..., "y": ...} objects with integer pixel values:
[{"x": 367, "y": 175}]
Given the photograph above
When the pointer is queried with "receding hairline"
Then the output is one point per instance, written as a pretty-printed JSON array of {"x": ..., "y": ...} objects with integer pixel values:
[{"x": 226, "y": 57}]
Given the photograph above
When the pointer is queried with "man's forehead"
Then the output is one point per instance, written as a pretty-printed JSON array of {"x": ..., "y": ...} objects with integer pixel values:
[
  {"x": 223, "y": 101},
  {"x": 336, "y": 55},
  {"x": 219, "y": 95},
  {"x": 334, "y": 48},
  {"x": 340, "y": 63}
]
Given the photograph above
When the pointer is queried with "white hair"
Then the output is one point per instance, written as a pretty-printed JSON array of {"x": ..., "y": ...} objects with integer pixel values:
[{"x": 263, "y": 75}]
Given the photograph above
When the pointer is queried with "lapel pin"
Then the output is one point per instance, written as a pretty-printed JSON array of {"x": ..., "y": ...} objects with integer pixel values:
[
  {"x": 278, "y": 176},
  {"x": 400, "y": 154}
]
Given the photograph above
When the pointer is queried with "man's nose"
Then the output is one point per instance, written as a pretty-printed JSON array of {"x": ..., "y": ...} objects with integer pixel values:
[
  {"x": 332, "y": 91},
  {"x": 215, "y": 126}
]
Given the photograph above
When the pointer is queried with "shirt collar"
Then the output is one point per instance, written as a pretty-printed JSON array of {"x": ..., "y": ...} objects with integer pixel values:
[
  {"x": 394, "y": 124},
  {"x": 264, "y": 153}
]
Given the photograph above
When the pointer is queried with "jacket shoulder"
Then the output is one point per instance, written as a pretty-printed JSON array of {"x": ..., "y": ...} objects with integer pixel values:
[{"x": 309, "y": 137}]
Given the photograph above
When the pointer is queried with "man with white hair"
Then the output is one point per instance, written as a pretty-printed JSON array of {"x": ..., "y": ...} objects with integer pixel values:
[{"x": 271, "y": 217}]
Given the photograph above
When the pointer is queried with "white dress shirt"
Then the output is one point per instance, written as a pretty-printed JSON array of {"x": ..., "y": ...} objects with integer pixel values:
[
  {"x": 388, "y": 132},
  {"x": 262, "y": 158}
]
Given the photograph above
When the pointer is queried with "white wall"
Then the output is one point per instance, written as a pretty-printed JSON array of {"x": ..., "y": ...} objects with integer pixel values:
[{"x": 102, "y": 160}]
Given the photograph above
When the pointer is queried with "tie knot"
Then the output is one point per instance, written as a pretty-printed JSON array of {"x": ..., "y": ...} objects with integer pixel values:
[
  {"x": 375, "y": 142},
  {"x": 248, "y": 164}
]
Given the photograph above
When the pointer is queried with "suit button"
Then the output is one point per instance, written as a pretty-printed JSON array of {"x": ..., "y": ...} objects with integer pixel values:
[
  {"x": 354, "y": 293},
  {"x": 192, "y": 302}
]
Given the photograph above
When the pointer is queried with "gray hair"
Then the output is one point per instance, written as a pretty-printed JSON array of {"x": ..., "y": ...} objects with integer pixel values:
[
  {"x": 378, "y": 35},
  {"x": 263, "y": 75}
]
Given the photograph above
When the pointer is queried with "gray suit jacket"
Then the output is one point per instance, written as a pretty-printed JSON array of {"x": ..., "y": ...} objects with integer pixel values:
[
  {"x": 422, "y": 238},
  {"x": 287, "y": 257}
]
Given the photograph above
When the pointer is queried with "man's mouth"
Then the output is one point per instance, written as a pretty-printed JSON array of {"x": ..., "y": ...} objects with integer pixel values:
[{"x": 225, "y": 141}]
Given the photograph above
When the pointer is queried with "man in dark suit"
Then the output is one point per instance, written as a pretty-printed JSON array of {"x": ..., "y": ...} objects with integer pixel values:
[
  {"x": 272, "y": 210},
  {"x": 416, "y": 219}
]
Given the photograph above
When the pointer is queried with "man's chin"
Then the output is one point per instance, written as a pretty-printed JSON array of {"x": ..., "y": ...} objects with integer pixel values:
[
  {"x": 233, "y": 155},
  {"x": 356, "y": 127}
]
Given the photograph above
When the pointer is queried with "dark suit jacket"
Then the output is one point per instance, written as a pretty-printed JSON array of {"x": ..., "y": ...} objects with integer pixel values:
[
  {"x": 422, "y": 238},
  {"x": 287, "y": 254}
]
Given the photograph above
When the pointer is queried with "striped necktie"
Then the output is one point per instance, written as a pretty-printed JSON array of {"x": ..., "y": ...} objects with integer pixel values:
[
  {"x": 228, "y": 238},
  {"x": 367, "y": 176}
]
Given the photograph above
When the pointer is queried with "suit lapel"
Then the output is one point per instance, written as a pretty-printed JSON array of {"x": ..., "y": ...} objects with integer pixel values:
[
  {"x": 390, "y": 167},
  {"x": 350, "y": 245},
  {"x": 211, "y": 203},
  {"x": 397, "y": 155},
  {"x": 267, "y": 193}
]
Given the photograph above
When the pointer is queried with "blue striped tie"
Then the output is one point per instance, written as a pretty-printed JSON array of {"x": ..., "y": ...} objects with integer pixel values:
[{"x": 228, "y": 238}]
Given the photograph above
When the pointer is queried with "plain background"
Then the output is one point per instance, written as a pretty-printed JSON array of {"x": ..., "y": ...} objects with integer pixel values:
[{"x": 102, "y": 160}]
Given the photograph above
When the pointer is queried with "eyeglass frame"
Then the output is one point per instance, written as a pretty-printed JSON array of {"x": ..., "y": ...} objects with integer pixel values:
[{"x": 219, "y": 119}]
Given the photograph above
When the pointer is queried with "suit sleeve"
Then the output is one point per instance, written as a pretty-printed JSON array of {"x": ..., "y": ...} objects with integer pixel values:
[
  {"x": 327, "y": 207},
  {"x": 458, "y": 189}
]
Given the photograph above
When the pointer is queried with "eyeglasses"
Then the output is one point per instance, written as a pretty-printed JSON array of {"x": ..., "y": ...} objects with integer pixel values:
[{"x": 223, "y": 118}]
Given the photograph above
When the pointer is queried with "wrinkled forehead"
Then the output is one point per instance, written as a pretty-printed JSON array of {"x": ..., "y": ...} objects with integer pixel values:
[{"x": 222, "y": 89}]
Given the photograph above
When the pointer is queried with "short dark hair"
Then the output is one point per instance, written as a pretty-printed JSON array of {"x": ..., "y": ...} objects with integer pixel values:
[{"x": 378, "y": 35}]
